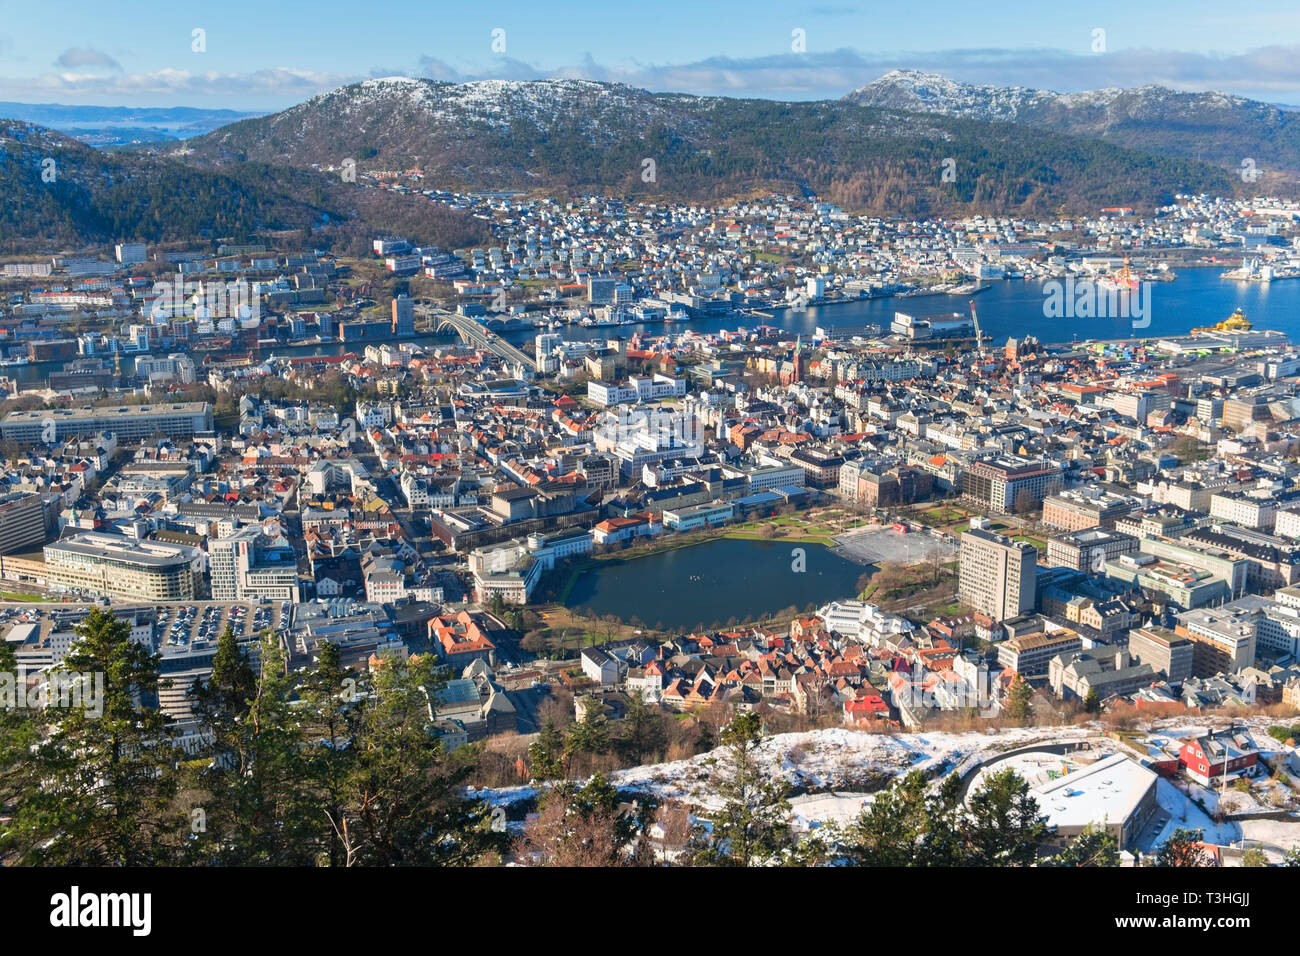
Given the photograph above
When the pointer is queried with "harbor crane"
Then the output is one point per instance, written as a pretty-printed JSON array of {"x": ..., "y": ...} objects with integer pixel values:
[{"x": 979, "y": 336}]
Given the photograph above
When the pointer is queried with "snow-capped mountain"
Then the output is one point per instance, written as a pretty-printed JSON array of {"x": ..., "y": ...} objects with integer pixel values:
[
  {"x": 581, "y": 135},
  {"x": 1214, "y": 127}
]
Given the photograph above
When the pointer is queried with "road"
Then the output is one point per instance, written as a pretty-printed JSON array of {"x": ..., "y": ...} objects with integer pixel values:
[{"x": 476, "y": 335}]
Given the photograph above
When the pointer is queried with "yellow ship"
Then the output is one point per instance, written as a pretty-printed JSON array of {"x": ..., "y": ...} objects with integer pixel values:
[{"x": 1237, "y": 322}]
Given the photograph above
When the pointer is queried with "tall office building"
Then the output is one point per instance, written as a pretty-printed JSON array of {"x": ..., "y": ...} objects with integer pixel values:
[
  {"x": 997, "y": 575},
  {"x": 403, "y": 316},
  {"x": 22, "y": 522},
  {"x": 247, "y": 565}
]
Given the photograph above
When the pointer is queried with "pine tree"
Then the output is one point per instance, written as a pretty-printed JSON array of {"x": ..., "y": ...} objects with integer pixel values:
[
  {"x": 1002, "y": 825},
  {"x": 1095, "y": 846},
  {"x": 1092, "y": 703},
  {"x": 403, "y": 799},
  {"x": 546, "y": 753},
  {"x": 582, "y": 827},
  {"x": 590, "y": 735},
  {"x": 328, "y": 694},
  {"x": 221, "y": 700},
  {"x": 910, "y": 824},
  {"x": 19, "y": 732},
  {"x": 642, "y": 730},
  {"x": 101, "y": 785},
  {"x": 1254, "y": 857},
  {"x": 1019, "y": 694},
  {"x": 752, "y": 826},
  {"x": 892, "y": 830},
  {"x": 260, "y": 810}
]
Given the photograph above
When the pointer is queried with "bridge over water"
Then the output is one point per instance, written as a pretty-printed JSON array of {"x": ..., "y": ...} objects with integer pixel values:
[{"x": 472, "y": 333}]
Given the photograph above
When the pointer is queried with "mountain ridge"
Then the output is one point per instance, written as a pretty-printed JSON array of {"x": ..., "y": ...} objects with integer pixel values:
[
  {"x": 1217, "y": 127},
  {"x": 583, "y": 135}
]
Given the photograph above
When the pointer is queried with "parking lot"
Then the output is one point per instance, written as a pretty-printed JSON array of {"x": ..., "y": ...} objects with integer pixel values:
[
  {"x": 878, "y": 545},
  {"x": 180, "y": 624},
  {"x": 176, "y": 626}
]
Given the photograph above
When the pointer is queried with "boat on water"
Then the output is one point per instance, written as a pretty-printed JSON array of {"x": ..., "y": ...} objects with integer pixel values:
[
  {"x": 17, "y": 360},
  {"x": 971, "y": 288},
  {"x": 1237, "y": 322}
]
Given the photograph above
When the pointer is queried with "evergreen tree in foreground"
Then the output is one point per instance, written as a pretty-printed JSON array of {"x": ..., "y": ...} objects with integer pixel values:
[
  {"x": 99, "y": 789},
  {"x": 1095, "y": 846},
  {"x": 751, "y": 828}
]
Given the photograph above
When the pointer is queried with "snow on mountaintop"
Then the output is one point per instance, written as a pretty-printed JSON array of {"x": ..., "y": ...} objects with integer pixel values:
[
  {"x": 493, "y": 103},
  {"x": 935, "y": 93}
]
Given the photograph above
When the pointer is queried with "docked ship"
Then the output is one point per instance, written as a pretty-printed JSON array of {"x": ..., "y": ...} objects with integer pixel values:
[
  {"x": 1122, "y": 281},
  {"x": 1237, "y": 322}
]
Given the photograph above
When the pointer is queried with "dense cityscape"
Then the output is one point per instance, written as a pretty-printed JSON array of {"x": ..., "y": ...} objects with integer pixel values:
[{"x": 559, "y": 526}]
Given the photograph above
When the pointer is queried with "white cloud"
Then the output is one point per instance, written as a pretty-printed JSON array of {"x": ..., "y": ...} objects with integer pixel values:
[
  {"x": 1266, "y": 73},
  {"x": 85, "y": 59},
  {"x": 274, "y": 88}
]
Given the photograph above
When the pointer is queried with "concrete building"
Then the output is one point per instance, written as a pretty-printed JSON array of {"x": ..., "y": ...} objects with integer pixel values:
[
  {"x": 1089, "y": 549},
  {"x": 1030, "y": 654},
  {"x": 114, "y": 566},
  {"x": 1112, "y": 792},
  {"x": 1165, "y": 650},
  {"x": 22, "y": 522},
  {"x": 1010, "y": 483},
  {"x": 248, "y": 565},
  {"x": 1077, "y": 510},
  {"x": 997, "y": 575},
  {"x": 127, "y": 422},
  {"x": 1224, "y": 639}
]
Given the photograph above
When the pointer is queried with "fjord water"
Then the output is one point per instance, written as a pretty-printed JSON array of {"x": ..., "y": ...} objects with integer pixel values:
[
  {"x": 1014, "y": 308},
  {"x": 1011, "y": 308}
]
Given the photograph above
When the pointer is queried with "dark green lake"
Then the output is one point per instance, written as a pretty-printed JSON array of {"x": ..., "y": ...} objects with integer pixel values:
[{"x": 716, "y": 581}]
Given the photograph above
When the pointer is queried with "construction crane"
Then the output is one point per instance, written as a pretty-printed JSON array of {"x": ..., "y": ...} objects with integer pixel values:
[{"x": 979, "y": 336}]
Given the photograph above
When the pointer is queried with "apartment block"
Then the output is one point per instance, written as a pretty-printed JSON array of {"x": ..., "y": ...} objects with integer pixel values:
[
  {"x": 22, "y": 522},
  {"x": 997, "y": 575},
  {"x": 1224, "y": 639},
  {"x": 1089, "y": 549},
  {"x": 1010, "y": 483},
  {"x": 1165, "y": 650}
]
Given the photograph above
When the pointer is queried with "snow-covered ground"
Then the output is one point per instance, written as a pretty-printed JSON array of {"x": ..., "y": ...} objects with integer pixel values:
[{"x": 833, "y": 770}]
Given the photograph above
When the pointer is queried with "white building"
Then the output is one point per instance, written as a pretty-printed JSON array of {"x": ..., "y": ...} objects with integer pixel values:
[{"x": 864, "y": 623}]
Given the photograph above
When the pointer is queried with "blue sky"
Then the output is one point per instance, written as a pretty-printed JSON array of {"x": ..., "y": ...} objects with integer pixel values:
[{"x": 268, "y": 55}]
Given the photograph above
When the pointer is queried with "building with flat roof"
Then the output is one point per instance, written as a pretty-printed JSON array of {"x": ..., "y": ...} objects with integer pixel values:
[
  {"x": 127, "y": 422},
  {"x": 1114, "y": 792},
  {"x": 1224, "y": 639},
  {"x": 996, "y": 575},
  {"x": 22, "y": 522},
  {"x": 1010, "y": 483},
  {"x": 1078, "y": 509},
  {"x": 1166, "y": 651},
  {"x": 1088, "y": 549},
  {"x": 1030, "y": 654},
  {"x": 115, "y": 566},
  {"x": 247, "y": 565}
]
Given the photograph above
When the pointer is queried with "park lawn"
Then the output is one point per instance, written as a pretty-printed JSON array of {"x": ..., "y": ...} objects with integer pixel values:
[
  {"x": 946, "y": 514},
  {"x": 796, "y": 538}
]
